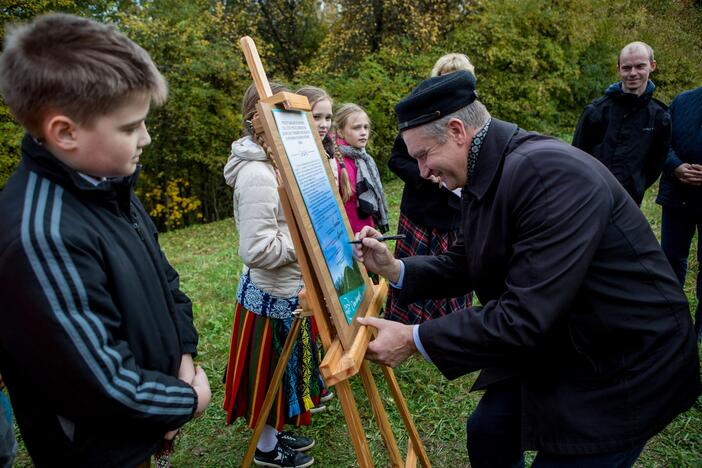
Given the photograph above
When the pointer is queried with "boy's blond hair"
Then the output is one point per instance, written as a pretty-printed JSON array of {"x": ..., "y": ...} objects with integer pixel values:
[
  {"x": 74, "y": 66},
  {"x": 450, "y": 63}
]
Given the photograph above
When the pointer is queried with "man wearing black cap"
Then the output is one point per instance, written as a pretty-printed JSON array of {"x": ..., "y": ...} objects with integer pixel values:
[{"x": 584, "y": 338}]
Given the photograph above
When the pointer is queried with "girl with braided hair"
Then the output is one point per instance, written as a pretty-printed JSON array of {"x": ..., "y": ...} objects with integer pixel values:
[
  {"x": 366, "y": 205},
  {"x": 266, "y": 298}
]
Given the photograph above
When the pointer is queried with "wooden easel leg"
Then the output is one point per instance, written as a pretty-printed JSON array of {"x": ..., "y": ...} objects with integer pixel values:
[
  {"x": 273, "y": 389},
  {"x": 381, "y": 416},
  {"x": 411, "y": 456},
  {"x": 417, "y": 444},
  {"x": 353, "y": 423}
]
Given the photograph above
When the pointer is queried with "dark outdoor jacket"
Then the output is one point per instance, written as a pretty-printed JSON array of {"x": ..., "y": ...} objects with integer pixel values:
[
  {"x": 93, "y": 322},
  {"x": 423, "y": 202},
  {"x": 685, "y": 147},
  {"x": 629, "y": 134},
  {"x": 580, "y": 306}
]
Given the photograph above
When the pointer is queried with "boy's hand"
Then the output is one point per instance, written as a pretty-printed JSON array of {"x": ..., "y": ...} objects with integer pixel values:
[
  {"x": 202, "y": 388},
  {"x": 186, "y": 372}
]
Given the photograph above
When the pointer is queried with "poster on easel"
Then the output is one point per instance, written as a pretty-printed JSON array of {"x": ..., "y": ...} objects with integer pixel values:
[
  {"x": 304, "y": 168},
  {"x": 308, "y": 167}
]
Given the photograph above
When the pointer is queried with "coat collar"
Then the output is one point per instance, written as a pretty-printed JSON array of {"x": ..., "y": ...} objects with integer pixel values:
[
  {"x": 615, "y": 91},
  {"x": 39, "y": 159},
  {"x": 492, "y": 151},
  {"x": 36, "y": 158}
]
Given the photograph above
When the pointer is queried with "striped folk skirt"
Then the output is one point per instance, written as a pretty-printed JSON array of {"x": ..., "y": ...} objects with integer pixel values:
[
  {"x": 256, "y": 344},
  {"x": 420, "y": 240}
]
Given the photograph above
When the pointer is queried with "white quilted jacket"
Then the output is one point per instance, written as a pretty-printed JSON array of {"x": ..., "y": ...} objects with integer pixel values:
[{"x": 265, "y": 245}]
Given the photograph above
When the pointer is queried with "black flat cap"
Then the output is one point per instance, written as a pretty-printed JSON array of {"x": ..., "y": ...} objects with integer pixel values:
[{"x": 436, "y": 97}]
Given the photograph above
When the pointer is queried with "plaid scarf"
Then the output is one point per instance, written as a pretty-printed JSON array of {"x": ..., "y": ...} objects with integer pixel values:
[{"x": 370, "y": 198}]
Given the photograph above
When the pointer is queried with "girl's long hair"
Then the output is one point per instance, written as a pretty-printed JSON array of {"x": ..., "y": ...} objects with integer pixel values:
[{"x": 248, "y": 104}]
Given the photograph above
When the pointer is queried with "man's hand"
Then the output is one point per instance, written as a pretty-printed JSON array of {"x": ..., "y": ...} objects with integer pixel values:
[
  {"x": 202, "y": 388},
  {"x": 393, "y": 344},
  {"x": 375, "y": 255},
  {"x": 689, "y": 173}
]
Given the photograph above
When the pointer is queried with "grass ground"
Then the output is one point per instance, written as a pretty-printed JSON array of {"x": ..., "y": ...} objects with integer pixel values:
[{"x": 206, "y": 257}]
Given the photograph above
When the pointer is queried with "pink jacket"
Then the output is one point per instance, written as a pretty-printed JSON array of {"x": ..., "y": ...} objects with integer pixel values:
[{"x": 350, "y": 206}]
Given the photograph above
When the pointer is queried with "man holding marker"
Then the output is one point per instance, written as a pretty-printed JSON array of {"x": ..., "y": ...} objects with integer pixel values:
[
  {"x": 584, "y": 338},
  {"x": 381, "y": 238}
]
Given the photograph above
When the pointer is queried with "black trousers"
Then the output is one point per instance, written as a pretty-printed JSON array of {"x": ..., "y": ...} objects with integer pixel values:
[
  {"x": 494, "y": 437},
  {"x": 677, "y": 231}
]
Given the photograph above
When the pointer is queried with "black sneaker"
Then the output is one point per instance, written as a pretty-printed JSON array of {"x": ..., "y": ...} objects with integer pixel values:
[
  {"x": 297, "y": 443},
  {"x": 282, "y": 456}
]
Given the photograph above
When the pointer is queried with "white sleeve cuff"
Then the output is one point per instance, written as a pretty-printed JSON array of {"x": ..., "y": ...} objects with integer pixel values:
[
  {"x": 418, "y": 343},
  {"x": 398, "y": 285}
]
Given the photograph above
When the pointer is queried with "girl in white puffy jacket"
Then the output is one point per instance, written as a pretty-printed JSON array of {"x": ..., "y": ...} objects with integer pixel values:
[{"x": 266, "y": 297}]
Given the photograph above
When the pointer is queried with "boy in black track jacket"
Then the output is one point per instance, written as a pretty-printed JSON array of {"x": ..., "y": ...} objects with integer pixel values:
[{"x": 97, "y": 340}]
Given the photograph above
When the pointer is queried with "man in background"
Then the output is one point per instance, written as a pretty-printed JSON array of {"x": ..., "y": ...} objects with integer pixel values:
[
  {"x": 627, "y": 129},
  {"x": 680, "y": 192}
]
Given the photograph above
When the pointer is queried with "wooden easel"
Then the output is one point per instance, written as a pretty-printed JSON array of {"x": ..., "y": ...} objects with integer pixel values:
[{"x": 339, "y": 364}]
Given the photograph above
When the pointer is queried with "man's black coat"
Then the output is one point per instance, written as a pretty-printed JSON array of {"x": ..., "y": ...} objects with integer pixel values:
[
  {"x": 580, "y": 306},
  {"x": 629, "y": 134}
]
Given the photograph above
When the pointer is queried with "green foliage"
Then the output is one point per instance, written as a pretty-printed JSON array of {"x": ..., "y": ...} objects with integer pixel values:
[
  {"x": 538, "y": 64},
  {"x": 10, "y": 136},
  {"x": 26, "y": 9},
  {"x": 673, "y": 28},
  {"x": 377, "y": 83},
  {"x": 294, "y": 30},
  {"x": 192, "y": 132},
  {"x": 531, "y": 56},
  {"x": 368, "y": 26}
]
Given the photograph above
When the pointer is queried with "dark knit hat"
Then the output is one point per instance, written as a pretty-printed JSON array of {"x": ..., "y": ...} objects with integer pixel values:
[{"x": 436, "y": 97}]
